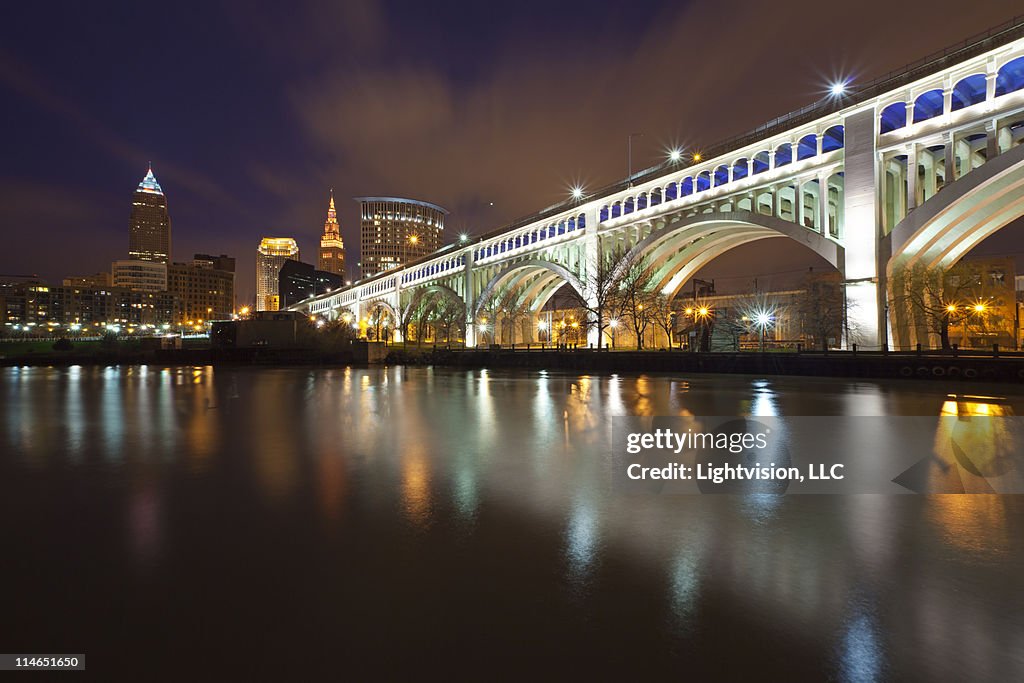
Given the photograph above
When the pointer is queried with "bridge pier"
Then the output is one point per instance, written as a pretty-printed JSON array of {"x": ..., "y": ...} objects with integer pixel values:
[{"x": 861, "y": 232}]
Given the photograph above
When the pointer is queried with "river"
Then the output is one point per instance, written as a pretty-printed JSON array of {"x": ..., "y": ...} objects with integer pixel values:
[{"x": 205, "y": 523}]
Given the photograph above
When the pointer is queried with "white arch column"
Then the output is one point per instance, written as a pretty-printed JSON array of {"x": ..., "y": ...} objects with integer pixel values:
[
  {"x": 911, "y": 177},
  {"x": 591, "y": 256},
  {"x": 861, "y": 233},
  {"x": 469, "y": 338}
]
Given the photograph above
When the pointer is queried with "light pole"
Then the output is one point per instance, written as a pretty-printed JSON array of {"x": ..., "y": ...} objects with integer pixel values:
[
  {"x": 629, "y": 157},
  {"x": 763, "y": 319}
]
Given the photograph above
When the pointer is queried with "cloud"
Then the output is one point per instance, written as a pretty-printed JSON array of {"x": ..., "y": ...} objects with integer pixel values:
[{"x": 546, "y": 113}]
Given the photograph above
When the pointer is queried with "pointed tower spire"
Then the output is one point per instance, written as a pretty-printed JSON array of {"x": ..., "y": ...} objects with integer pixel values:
[{"x": 332, "y": 248}]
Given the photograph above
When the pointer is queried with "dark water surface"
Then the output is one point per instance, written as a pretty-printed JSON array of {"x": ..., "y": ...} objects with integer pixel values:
[{"x": 296, "y": 524}]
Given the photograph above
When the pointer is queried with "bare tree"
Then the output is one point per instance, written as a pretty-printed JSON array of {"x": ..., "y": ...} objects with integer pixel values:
[
  {"x": 379, "y": 318},
  {"x": 448, "y": 314},
  {"x": 664, "y": 316},
  {"x": 572, "y": 326},
  {"x": 634, "y": 299},
  {"x": 603, "y": 275},
  {"x": 822, "y": 308},
  {"x": 936, "y": 299},
  {"x": 513, "y": 310}
]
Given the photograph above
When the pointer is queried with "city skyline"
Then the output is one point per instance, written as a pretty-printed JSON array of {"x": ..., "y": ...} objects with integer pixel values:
[{"x": 520, "y": 152}]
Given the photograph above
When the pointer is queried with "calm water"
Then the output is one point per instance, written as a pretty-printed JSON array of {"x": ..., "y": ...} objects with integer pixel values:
[{"x": 190, "y": 523}]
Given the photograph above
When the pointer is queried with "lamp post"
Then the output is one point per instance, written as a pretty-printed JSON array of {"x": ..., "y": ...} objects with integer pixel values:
[{"x": 629, "y": 157}]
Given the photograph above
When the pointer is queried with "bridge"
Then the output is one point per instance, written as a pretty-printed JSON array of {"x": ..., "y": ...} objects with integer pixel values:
[{"x": 916, "y": 167}]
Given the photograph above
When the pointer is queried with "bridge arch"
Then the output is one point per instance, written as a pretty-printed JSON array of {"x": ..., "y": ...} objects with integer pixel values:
[
  {"x": 893, "y": 117},
  {"x": 432, "y": 290},
  {"x": 551, "y": 273},
  {"x": 374, "y": 304},
  {"x": 677, "y": 251},
  {"x": 937, "y": 234},
  {"x": 951, "y": 223},
  {"x": 1010, "y": 77}
]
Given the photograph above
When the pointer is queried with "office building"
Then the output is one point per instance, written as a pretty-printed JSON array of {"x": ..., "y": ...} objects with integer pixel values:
[
  {"x": 140, "y": 276},
  {"x": 396, "y": 231},
  {"x": 97, "y": 280},
  {"x": 270, "y": 256},
  {"x": 37, "y": 308},
  {"x": 298, "y": 281}
]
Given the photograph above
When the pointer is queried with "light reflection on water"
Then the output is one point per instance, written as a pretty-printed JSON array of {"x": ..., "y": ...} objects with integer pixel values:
[{"x": 404, "y": 464}]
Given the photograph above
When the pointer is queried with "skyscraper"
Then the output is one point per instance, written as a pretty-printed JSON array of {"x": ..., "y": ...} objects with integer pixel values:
[
  {"x": 149, "y": 236},
  {"x": 332, "y": 248},
  {"x": 395, "y": 231},
  {"x": 271, "y": 255}
]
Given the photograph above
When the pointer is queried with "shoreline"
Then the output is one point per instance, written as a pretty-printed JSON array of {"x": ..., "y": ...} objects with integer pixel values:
[{"x": 933, "y": 366}]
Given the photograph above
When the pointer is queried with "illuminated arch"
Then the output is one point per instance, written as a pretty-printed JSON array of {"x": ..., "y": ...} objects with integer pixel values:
[
  {"x": 523, "y": 271},
  {"x": 832, "y": 139},
  {"x": 703, "y": 181},
  {"x": 432, "y": 291},
  {"x": 683, "y": 246},
  {"x": 783, "y": 154},
  {"x": 893, "y": 117},
  {"x": 1010, "y": 77},
  {"x": 968, "y": 91},
  {"x": 721, "y": 176},
  {"x": 807, "y": 147},
  {"x": 739, "y": 168},
  {"x": 947, "y": 226},
  {"x": 928, "y": 105},
  {"x": 762, "y": 161}
]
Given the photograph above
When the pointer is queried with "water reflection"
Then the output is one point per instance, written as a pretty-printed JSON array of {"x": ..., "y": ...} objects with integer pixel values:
[
  {"x": 416, "y": 493},
  {"x": 302, "y": 475},
  {"x": 861, "y": 656}
]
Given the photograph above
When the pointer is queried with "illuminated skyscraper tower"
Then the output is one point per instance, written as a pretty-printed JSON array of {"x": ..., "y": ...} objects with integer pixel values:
[
  {"x": 271, "y": 255},
  {"x": 149, "y": 236},
  {"x": 332, "y": 248}
]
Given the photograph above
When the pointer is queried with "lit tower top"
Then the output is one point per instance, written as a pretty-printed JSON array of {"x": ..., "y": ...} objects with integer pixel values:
[
  {"x": 332, "y": 248},
  {"x": 149, "y": 183}
]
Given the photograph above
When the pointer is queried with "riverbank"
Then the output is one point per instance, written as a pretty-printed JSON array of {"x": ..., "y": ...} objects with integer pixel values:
[
  {"x": 936, "y": 366},
  {"x": 186, "y": 357},
  {"x": 963, "y": 366}
]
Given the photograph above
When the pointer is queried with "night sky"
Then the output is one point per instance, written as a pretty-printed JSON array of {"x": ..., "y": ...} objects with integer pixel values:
[{"x": 250, "y": 116}]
